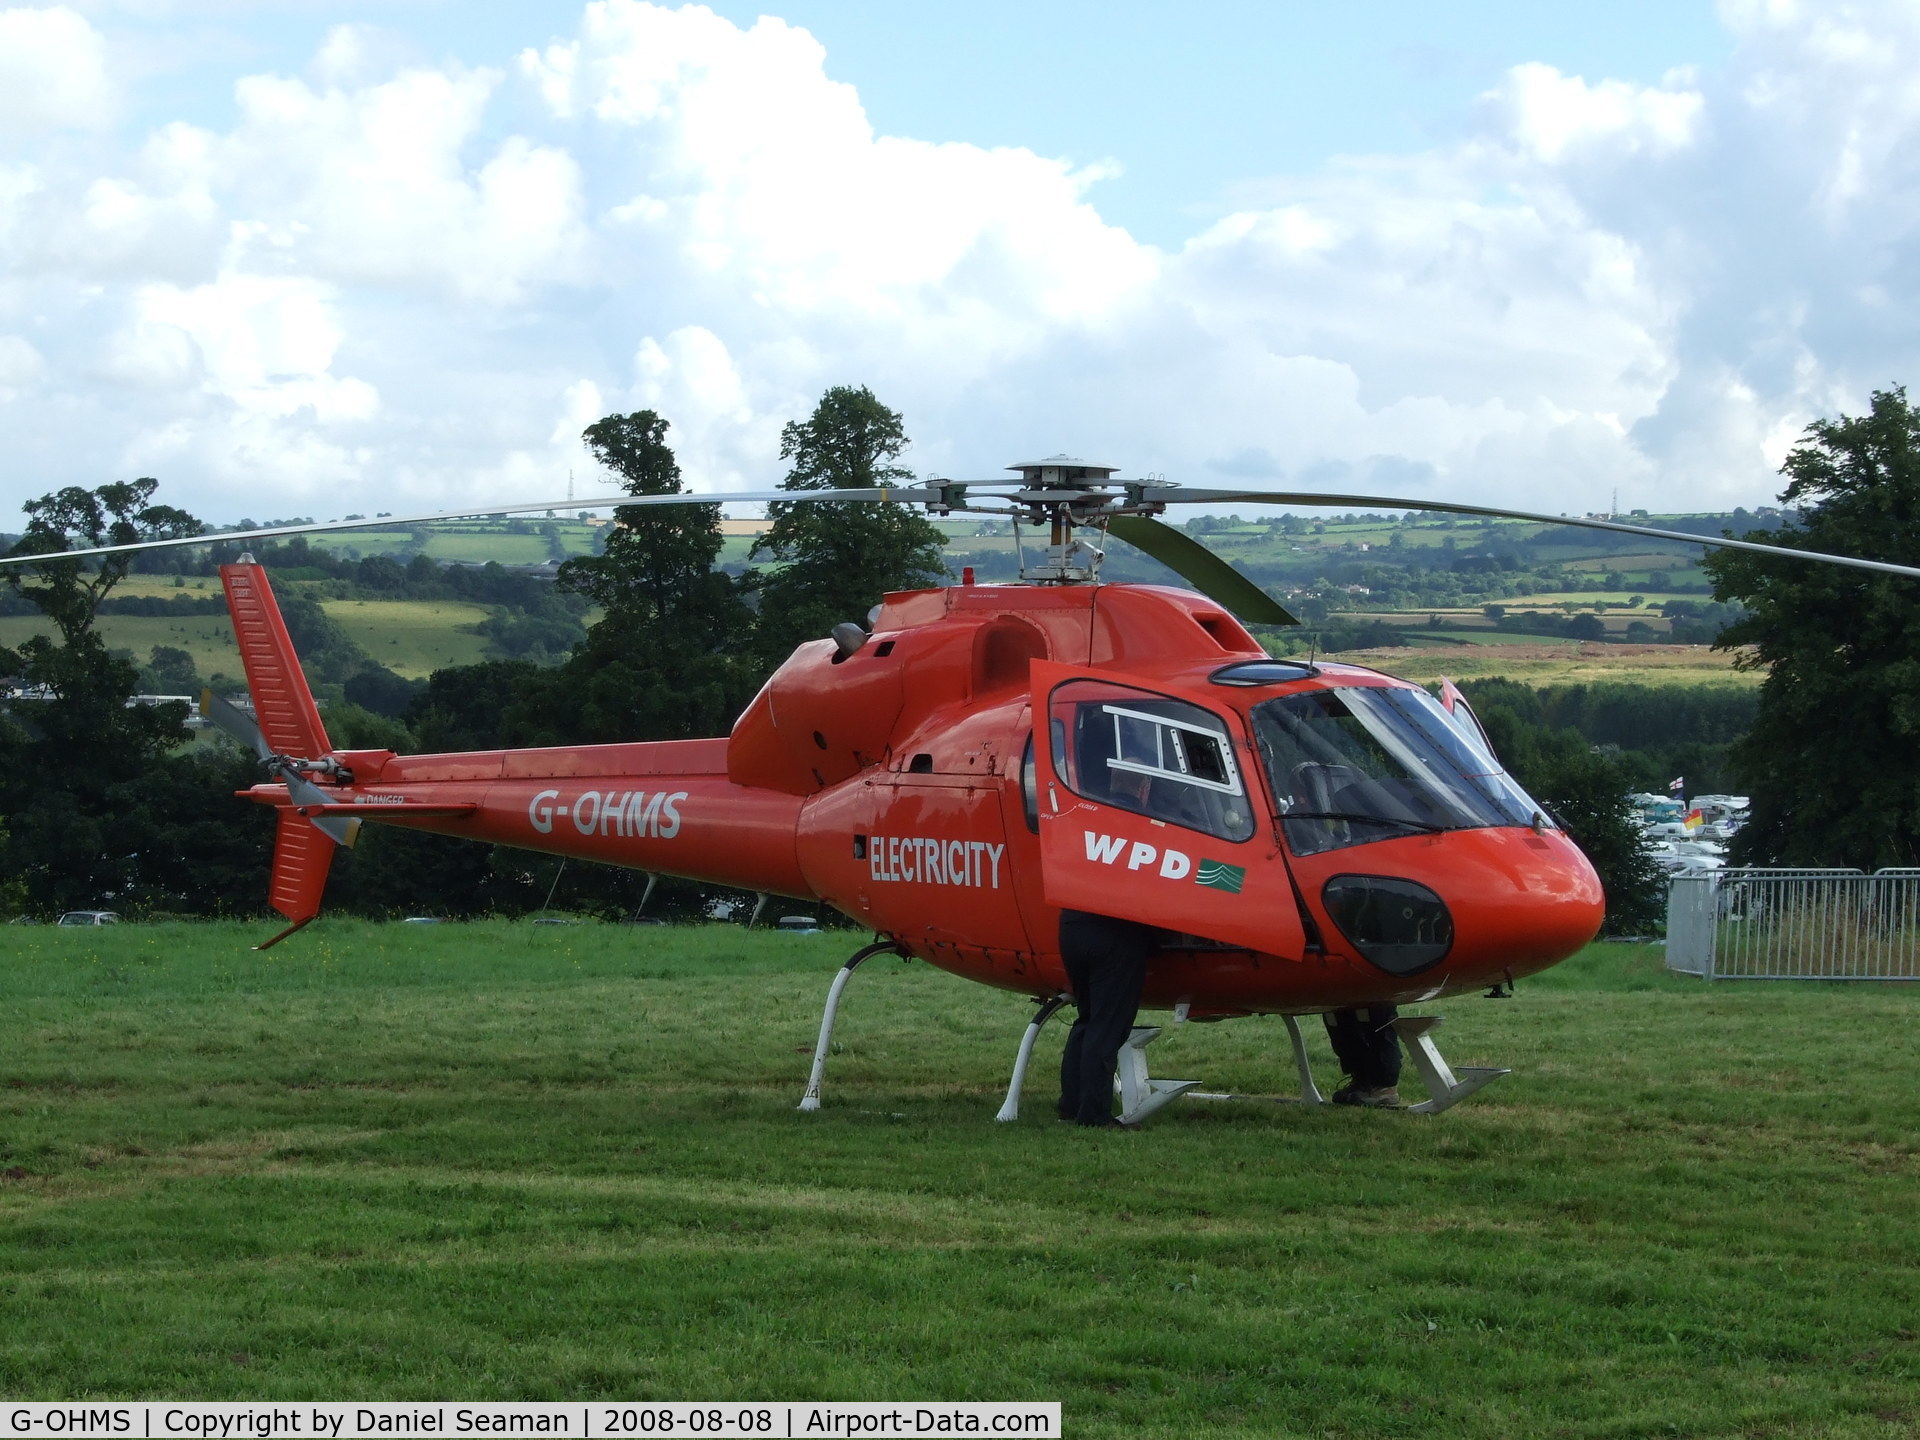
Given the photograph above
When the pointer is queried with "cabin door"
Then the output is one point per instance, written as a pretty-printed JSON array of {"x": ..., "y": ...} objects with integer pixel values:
[{"x": 1149, "y": 810}]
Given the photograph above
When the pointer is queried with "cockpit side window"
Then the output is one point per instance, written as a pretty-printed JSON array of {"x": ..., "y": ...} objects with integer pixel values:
[{"x": 1156, "y": 756}]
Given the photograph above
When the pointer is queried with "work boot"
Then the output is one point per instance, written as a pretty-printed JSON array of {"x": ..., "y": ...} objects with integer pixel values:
[{"x": 1383, "y": 1097}]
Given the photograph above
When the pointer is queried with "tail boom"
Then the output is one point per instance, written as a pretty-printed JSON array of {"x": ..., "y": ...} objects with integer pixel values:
[{"x": 695, "y": 826}]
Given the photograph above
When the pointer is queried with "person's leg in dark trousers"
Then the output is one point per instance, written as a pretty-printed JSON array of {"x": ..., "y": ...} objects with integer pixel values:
[
  {"x": 1365, "y": 1044},
  {"x": 1106, "y": 963},
  {"x": 1080, "y": 983}
]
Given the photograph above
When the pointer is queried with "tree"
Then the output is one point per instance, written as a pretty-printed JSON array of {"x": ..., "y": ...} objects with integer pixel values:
[
  {"x": 69, "y": 592},
  {"x": 1833, "y": 759},
  {"x": 171, "y": 671},
  {"x": 838, "y": 559},
  {"x": 464, "y": 707},
  {"x": 97, "y": 809},
  {"x": 669, "y": 657}
]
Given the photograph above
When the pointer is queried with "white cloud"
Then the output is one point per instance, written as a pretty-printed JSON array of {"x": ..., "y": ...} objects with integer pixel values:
[
  {"x": 266, "y": 346},
  {"x": 385, "y": 282},
  {"x": 1549, "y": 114},
  {"x": 53, "y": 73},
  {"x": 754, "y": 168},
  {"x": 372, "y": 186}
]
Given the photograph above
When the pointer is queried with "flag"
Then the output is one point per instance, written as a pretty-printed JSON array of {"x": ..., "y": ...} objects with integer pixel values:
[
  {"x": 1679, "y": 784},
  {"x": 1694, "y": 820}
]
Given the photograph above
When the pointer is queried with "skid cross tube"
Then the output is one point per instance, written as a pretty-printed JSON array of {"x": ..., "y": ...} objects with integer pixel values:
[
  {"x": 1309, "y": 1092},
  {"x": 811, "y": 1100},
  {"x": 1048, "y": 1008}
]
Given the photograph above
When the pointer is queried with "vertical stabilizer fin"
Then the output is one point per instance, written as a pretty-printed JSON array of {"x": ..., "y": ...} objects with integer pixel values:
[
  {"x": 285, "y": 723},
  {"x": 283, "y": 705}
]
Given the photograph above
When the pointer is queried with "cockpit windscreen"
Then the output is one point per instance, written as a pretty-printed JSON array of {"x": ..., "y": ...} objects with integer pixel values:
[{"x": 1357, "y": 764}]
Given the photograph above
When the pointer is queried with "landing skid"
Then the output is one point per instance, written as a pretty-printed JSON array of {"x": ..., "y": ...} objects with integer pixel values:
[
  {"x": 1445, "y": 1087},
  {"x": 811, "y": 1100},
  {"x": 1140, "y": 1094},
  {"x": 1309, "y": 1092}
]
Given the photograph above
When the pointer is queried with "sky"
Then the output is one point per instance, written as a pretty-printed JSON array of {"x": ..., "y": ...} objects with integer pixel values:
[{"x": 313, "y": 259}]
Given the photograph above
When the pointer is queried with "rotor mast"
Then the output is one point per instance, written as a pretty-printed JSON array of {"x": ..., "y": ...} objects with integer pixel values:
[{"x": 1063, "y": 494}]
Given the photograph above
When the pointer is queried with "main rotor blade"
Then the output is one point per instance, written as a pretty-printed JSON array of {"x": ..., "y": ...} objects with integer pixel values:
[
  {"x": 235, "y": 724},
  {"x": 1208, "y": 573},
  {"x": 895, "y": 495},
  {"x": 940, "y": 494},
  {"x": 1183, "y": 496}
]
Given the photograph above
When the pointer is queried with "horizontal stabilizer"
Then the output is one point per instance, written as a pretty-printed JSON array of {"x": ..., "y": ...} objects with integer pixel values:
[{"x": 413, "y": 808}]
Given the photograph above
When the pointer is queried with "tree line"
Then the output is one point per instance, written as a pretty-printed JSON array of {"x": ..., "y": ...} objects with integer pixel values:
[{"x": 101, "y": 805}]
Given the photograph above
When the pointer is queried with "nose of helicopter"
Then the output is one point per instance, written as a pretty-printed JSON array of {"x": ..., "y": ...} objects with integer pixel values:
[
  {"x": 1463, "y": 908},
  {"x": 1521, "y": 901}
]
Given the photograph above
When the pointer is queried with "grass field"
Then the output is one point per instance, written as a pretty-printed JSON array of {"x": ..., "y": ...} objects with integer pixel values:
[
  {"x": 412, "y": 637},
  {"x": 1566, "y": 662},
  {"x": 473, "y": 544},
  {"x": 208, "y": 638},
  {"x": 496, "y": 1161}
]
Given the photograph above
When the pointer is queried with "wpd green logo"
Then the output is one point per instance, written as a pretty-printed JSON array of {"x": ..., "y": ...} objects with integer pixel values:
[{"x": 1218, "y": 875}]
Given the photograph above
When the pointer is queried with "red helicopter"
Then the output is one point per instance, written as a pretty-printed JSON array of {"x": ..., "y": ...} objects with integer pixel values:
[{"x": 1305, "y": 836}]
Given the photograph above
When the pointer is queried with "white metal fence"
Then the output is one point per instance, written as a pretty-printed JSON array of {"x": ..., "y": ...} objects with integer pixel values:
[{"x": 1795, "y": 924}]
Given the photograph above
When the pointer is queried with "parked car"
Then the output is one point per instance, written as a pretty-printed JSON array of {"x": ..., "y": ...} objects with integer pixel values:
[
  {"x": 88, "y": 917},
  {"x": 1686, "y": 856}
]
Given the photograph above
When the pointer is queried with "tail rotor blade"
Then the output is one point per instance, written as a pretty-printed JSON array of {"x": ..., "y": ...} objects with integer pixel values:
[
  {"x": 1200, "y": 567},
  {"x": 304, "y": 793},
  {"x": 234, "y": 723}
]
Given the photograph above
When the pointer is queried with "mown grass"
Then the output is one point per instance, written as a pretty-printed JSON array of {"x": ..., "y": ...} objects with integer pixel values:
[
  {"x": 413, "y": 637},
  {"x": 497, "y": 1160}
]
